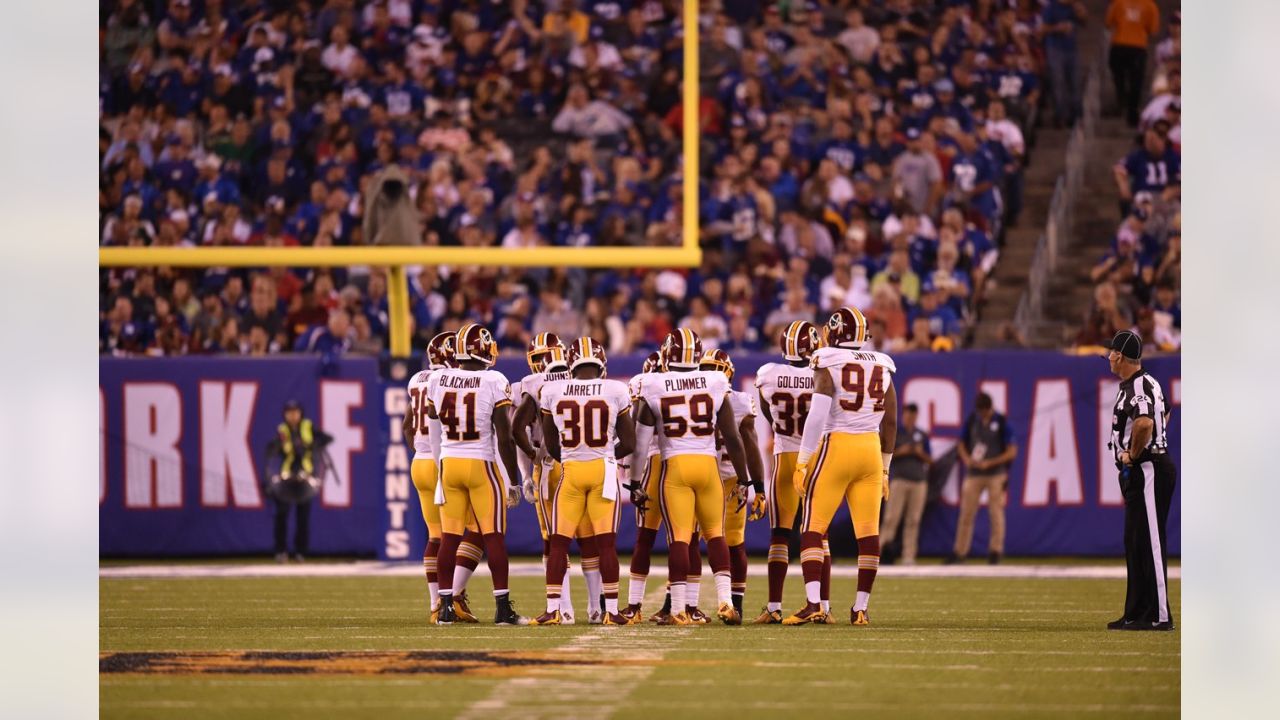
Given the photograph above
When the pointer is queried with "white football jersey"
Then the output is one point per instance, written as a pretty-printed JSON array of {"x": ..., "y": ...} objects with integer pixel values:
[
  {"x": 586, "y": 413},
  {"x": 419, "y": 387},
  {"x": 862, "y": 380},
  {"x": 787, "y": 389},
  {"x": 465, "y": 402},
  {"x": 743, "y": 407},
  {"x": 532, "y": 385},
  {"x": 634, "y": 386},
  {"x": 685, "y": 404}
]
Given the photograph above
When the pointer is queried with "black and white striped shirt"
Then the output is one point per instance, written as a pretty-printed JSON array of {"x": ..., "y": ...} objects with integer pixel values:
[{"x": 1139, "y": 396}]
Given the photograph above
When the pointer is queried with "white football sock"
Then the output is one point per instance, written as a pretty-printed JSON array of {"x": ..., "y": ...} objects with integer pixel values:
[
  {"x": 635, "y": 589},
  {"x": 566, "y": 599},
  {"x": 775, "y": 606},
  {"x": 812, "y": 591},
  {"x": 460, "y": 577},
  {"x": 723, "y": 585},
  {"x": 594, "y": 584},
  {"x": 861, "y": 602},
  {"x": 434, "y": 589},
  {"x": 826, "y": 606},
  {"x": 611, "y": 605},
  {"x": 500, "y": 593},
  {"x": 553, "y": 604},
  {"x": 678, "y": 602},
  {"x": 692, "y": 592}
]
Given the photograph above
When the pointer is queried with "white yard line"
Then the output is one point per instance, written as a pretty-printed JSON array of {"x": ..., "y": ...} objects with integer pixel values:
[{"x": 371, "y": 568}]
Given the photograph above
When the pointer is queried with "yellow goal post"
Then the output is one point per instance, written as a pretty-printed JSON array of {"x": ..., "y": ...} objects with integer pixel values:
[{"x": 396, "y": 258}]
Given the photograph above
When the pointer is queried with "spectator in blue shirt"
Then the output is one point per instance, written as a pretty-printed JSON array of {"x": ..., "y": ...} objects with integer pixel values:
[
  {"x": 1154, "y": 167},
  {"x": 332, "y": 338},
  {"x": 1059, "y": 22}
]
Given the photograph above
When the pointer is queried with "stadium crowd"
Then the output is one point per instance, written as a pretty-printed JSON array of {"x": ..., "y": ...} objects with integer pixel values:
[
  {"x": 1138, "y": 280},
  {"x": 855, "y": 152}
]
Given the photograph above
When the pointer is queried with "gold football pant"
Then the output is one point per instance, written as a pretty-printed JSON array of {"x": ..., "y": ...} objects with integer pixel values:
[
  {"x": 847, "y": 467},
  {"x": 783, "y": 498},
  {"x": 652, "y": 519},
  {"x": 545, "y": 506},
  {"x": 579, "y": 501},
  {"x": 692, "y": 497},
  {"x": 472, "y": 487},
  {"x": 423, "y": 472},
  {"x": 735, "y": 518}
]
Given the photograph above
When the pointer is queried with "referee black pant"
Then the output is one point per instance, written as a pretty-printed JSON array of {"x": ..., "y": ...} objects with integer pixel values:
[{"x": 1148, "y": 492}]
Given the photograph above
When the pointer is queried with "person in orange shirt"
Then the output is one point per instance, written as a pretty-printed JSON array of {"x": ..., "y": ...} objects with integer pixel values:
[{"x": 1132, "y": 23}]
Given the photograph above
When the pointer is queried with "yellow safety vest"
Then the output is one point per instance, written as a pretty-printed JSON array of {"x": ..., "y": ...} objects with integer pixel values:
[{"x": 306, "y": 437}]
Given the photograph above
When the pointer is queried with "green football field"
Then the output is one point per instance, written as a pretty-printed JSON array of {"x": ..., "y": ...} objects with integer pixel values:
[{"x": 360, "y": 646}]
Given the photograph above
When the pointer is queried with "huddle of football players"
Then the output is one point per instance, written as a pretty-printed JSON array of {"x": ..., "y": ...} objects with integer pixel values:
[{"x": 680, "y": 440}]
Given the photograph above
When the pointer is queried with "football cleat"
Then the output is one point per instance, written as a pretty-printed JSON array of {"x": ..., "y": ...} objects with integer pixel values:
[
  {"x": 858, "y": 617},
  {"x": 446, "y": 615},
  {"x": 462, "y": 609},
  {"x": 827, "y": 619},
  {"x": 615, "y": 619},
  {"x": 696, "y": 616},
  {"x": 595, "y": 617},
  {"x": 677, "y": 619},
  {"x": 633, "y": 614},
  {"x": 660, "y": 617},
  {"x": 435, "y": 612},
  {"x": 810, "y": 613},
  {"x": 547, "y": 618},
  {"x": 768, "y": 617},
  {"x": 1121, "y": 624},
  {"x": 566, "y": 617},
  {"x": 728, "y": 614},
  {"x": 506, "y": 613}
]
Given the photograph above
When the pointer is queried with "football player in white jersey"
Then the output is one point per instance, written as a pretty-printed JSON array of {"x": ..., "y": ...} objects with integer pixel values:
[
  {"x": 586, "y": 423},
  {"x": 735, "y": 493},
  {"x": 548, "y": 362},
  {"x": 648, "y": 517},
  {"x": 423, "y": 471},
  {"x": 688, "y": 406},
  {"x": 467, "y": 416},
  {"x": 852, "y": 427},
  {"x": 785, "y": 390}
]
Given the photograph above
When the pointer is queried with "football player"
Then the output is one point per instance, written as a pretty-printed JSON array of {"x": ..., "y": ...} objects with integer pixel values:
[
  {"x": 423, "y": 471},
  {"x": 735, "y": 494},
  {"x": 586, "y": 422},
  {"x": 466, "y": 415},
  {"x": 648, "y": 519},
  {"x": 852, "y": 427},
  {"x": 785, "y": 391},
  {"x": 548, "y": 363},
  {"x": 689, "y": 405}
]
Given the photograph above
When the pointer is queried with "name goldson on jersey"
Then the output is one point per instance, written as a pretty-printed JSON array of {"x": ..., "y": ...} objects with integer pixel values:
[
  {"x": 679, "y": 384},
  {"x": 457, "y": 382},
  {"x": 573, "y": 390},
  {"x": 794, "y": 382}
]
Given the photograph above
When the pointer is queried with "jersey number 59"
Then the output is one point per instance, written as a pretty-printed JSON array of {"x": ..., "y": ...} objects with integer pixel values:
[{"x": 700, "y": 419}]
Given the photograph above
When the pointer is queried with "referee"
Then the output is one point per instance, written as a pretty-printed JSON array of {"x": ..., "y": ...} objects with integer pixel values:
[{"x": 1147, "y": 477}]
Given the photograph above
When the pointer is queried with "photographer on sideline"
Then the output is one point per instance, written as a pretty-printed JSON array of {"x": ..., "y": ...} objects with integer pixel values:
[{"x": 298, "y": 442}]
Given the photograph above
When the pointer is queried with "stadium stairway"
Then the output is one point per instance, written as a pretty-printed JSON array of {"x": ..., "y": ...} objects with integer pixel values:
[{"x": 1097, "y": 215}]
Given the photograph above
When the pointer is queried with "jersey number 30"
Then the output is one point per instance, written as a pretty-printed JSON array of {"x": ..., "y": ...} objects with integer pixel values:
[{"x": 594, "y": 431}]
